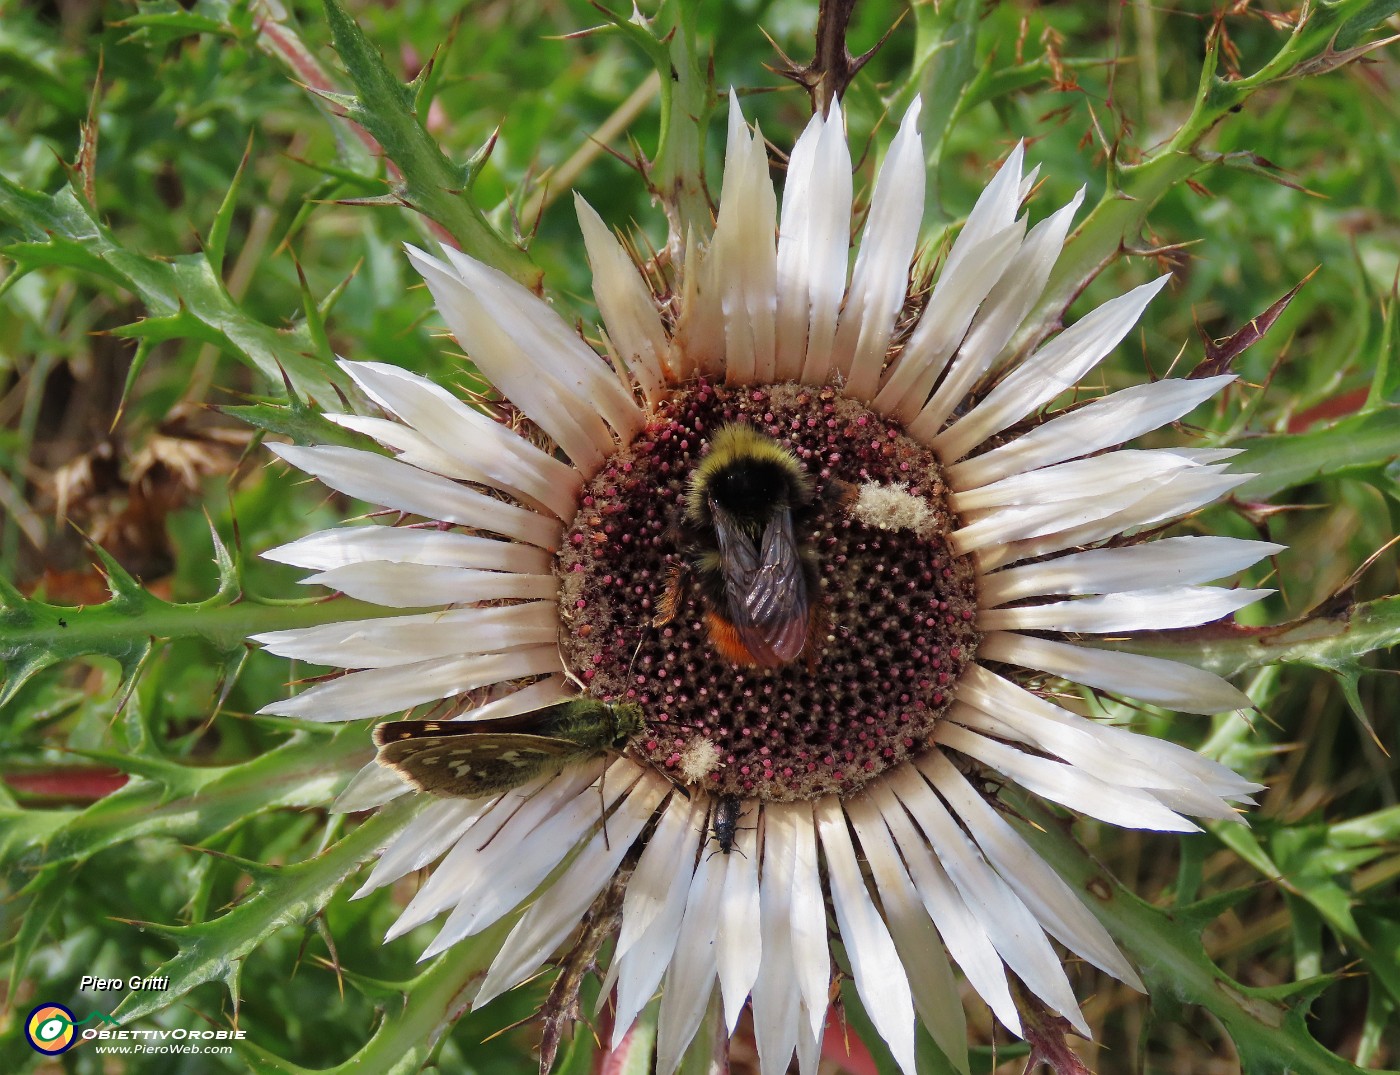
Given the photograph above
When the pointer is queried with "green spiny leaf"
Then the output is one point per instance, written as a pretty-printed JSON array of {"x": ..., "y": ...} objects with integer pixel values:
[
  {"x": 1269, "y": 1033},
  {"x": 182, "y": 293},
  {"x": 296, "y": 420},
  {"x": 210, "y": 951},
  {"x": 676, "y": 176},
  {"x": 1353, "y": 445},
  {"x": 412, "y": 1030},
  {"x": 1315, "y": 640},
  {"x": 1123, "y": 211},
  {"x": 944, "y": 68},
  {"x": 1375, "y": 829},
  {"x": 138, "y": 363},
  {"x": 315, "y": 324},
  {"x": 217, "y": 241},
  {"x": 20, "y": 668},
  {"x": 41, "y": 899},
  {"x": 128, "y": 595},
  {"x": 1380, "y": 929},
  {"x": 1196, "y": 916},
  {"x": 1385, "y": 383},
  {"x": 12, "y": 601},
  {"x": 174, "y": 776},
  {"x": 190, "y": 804},
  {"x": 168, "y": 16},
  {"x": 257, "y": 871},
  {"x": 431, "y": 183}
]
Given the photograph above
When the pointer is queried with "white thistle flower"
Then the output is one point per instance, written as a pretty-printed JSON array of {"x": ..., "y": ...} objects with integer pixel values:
[{"x": 968, "y": 554}]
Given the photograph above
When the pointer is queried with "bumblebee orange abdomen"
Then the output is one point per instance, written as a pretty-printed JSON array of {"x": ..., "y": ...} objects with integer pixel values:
[
  {"x": 724, "y": 636},
  {"x": 730, "y": 644}
]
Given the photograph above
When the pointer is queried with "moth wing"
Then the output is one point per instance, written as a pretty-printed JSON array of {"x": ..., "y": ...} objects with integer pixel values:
[
  {"x": 469, "y": 765},
  {"x": 764, "y": 587},
  {"x": 539, "y": 722}
]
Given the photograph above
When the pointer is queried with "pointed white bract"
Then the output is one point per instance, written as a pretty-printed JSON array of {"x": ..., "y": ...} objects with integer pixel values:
[
  {"x": 483, "y": 450},
  {"x": 776, "y": 1003},
  {"x": 915, "y": 938},
  {"x": 377, "y": 691},
  {"x": 690, "y": 978},
  {"x": 880, "y": 280},
  {"x": 1010, "y": 299},
  {"x": 1170, "y": 561},
  {"x": 634, "y": 324},
  {"x": 739, "y": 945},
  {"x": 559, "y": 910},
  {"x": 407, "y": 488},
  {"x": 880, "y": 978},
  {"x": 813, "y": 236},
  {"x": 652, "y": 910},
  {"x": 920, "y": 872},
  {"x": 744, "y": 247},
  {"x": 1052, "y": 901},
  {"x": 1011, "y": 927},
  {"x": 403, "y": 640}
]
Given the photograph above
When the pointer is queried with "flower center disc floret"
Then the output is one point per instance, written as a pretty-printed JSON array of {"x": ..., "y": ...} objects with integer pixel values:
[{"x": 894, "y": 619}]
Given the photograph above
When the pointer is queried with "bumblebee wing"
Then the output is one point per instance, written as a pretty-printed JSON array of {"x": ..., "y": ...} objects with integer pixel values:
[
  {"x": 468, "y": 765},
  {"x": 737, "y": 554},
  {"x": 739, "y": 564},
  {"x": 777, "y": 599},
  {"x": 765, "y": 588}
]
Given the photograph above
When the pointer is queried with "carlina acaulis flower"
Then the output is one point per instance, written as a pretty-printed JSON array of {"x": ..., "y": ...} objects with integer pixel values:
[{"x": 929, "y": 535}]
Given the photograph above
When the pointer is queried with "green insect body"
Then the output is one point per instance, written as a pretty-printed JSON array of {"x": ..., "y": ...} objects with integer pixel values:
[{"x": 471, "y": 759}]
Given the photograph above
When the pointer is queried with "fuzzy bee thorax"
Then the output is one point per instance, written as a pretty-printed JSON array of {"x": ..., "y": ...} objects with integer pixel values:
[{"x": 749, "y": 477}]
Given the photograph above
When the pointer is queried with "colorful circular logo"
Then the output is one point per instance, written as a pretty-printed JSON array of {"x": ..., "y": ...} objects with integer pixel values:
[{"x": 49, "y": 1029}]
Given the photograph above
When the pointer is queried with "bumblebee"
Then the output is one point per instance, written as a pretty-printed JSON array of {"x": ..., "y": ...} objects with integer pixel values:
[{"x": 745, "y": 504}]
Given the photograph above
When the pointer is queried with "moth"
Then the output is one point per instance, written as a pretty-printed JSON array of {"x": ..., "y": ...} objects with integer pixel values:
[{"x": 471, "y": 759}]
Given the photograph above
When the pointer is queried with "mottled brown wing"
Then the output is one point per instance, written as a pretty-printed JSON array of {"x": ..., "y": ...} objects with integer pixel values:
[
  {"x": 765, "y": 588},
  {"x": 456, "y": 759},
  {"x": 535, "y": 722}
]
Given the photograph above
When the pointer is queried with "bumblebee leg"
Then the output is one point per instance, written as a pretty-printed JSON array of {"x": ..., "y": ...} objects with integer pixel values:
[
  {"x": 677, "y": 588},
  {"x": 603, "y": 811},
  {"x": 838, "y": 495},
  {"x": 818, "y": 627}
]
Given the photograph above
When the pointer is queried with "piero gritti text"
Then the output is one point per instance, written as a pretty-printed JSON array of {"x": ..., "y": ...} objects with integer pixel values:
[{"x": 136, "y": 983}]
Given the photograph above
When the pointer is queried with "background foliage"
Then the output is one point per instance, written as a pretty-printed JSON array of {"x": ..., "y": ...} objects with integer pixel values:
[{"x": 191, "y": 227}]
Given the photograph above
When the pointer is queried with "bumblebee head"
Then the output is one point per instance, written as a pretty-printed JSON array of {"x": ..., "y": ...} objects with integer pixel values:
[{"x": 749, "y": 475}]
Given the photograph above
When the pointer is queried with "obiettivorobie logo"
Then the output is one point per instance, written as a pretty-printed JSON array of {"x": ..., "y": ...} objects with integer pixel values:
[{"x": 51, "y": 1028}]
